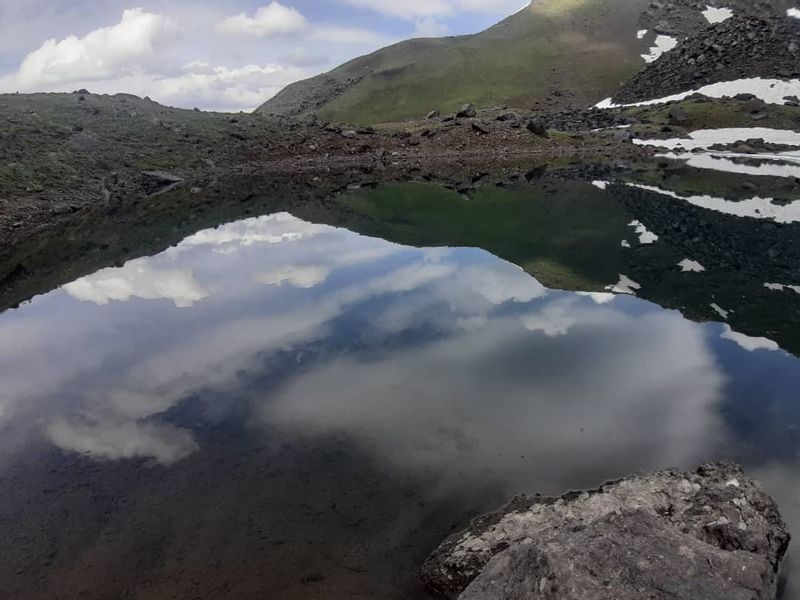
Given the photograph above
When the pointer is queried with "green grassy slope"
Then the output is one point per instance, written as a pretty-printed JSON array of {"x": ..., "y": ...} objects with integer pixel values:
[{"x": 555, "y": 52}]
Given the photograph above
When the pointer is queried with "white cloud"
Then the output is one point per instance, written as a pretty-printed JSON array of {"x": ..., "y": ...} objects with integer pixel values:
[
  {"x": 480, "y": 399},
  {"x": 220, "y": 87},
  {"x": 335, "y": 34},
  {"x": 420, "y": 9},
  {"x": 271, "y": 20},
  {"x": 297, "y": 276},
  {"x": 112, "y": 51},
  {"x": 429, "y": 27},
  {"x": 269, "y": 229},
  {"x": 138, "y": 279},
  {"x": 554, "y": 320},
  {"x": 123, "y": 440}
]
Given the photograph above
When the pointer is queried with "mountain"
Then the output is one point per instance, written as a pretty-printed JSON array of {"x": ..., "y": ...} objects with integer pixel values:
[
  {"x": 553, "y": 54},
  {"x": 560, "y": 53}
]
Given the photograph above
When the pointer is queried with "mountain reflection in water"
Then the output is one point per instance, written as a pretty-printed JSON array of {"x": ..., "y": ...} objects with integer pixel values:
[{"x": 283, "y": 409}]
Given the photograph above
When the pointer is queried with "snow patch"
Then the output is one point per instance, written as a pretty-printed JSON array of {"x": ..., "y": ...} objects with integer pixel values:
[
  {"x": 625, "y": 285},
  {"x": 771, "y": 91},
  {"x": 779, "y": 287},
  {"x": 793, "y": 12},
  {"x": 725, "y": 163},
  {"x": 663, "y": 43},
  {"x": 625, "y": 244},
  {"x": 645, "y": 236},
  {"x": 756, "y": 208},
  {"x": 600, "y": 184},
  {"x": 704, "y": 138},
  {"x": 720, "y": 311},
  {"x": 691, "y": 266},
  {"x": 641, "y": 33},
  {"x": 751, "y": 344},
  {"x": 717, "y": 15}
]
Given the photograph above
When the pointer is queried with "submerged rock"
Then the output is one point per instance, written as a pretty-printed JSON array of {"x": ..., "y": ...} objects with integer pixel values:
[{"x": 708, "y": 535}]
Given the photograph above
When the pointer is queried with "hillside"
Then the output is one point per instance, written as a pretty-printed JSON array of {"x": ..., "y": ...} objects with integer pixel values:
[
  {"x": 560, "y": 53},
  {"x": 554, "y": 54}
]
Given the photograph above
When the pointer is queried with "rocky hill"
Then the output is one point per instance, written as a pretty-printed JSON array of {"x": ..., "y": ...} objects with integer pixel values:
[
  {"x": 552, "y": 55},
  {"x": 737, "y": 48}
]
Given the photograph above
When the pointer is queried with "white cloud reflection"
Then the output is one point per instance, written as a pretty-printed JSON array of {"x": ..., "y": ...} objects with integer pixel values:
[
  {"x": 490, "y": 385},
  {"x": 138, "y": 279},
  {"x": 478, "y": 401}
]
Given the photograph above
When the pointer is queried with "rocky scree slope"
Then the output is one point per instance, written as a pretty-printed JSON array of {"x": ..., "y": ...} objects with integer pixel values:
[{"x": 740, "y": 47}]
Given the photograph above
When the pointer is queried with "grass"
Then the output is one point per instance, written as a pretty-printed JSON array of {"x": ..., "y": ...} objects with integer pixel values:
[
  {"x": 564, "y": 53},
  {"x": 717, "y": 114}
]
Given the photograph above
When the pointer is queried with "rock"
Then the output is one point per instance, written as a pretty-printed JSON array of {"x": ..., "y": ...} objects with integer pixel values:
[
  {"x": 537, "y": 128},
  {"x": 791, "y": 101},
  {"x": 467, "y": 112},
  {"x": 744, "y": 97},
  {"x": 61, "y": 209},
  {"x": 349, "y": 134},
  {"x": 623, "y": 136},
  {"x": 479, "y": 127},
  {"x": 508, "y": 116},
  {"x": 678, "y": 116},
  {"x": 158, "y": 182},
  {"x": 711, "y": 535},
  {"x": 434, "y": 114}
]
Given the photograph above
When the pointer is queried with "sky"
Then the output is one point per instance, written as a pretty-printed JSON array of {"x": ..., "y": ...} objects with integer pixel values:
[{"x": 226, "y": 55}]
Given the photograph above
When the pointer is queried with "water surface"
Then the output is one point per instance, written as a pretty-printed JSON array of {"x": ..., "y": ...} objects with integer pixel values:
[{"x": 277, "y": 408}]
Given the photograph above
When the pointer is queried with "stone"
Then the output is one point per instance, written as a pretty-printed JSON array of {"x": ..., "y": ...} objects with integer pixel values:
[
  {"x": 434, "y": 114},
  {"x": 712, "y": 534},
  {"x": 678, "y": 116},
  {"x": 349, "y": 134},
  {"x": 467, "y": 112},
  {"x": 479, "y": 127},
  {"x": 158, "y": 182},
  {"x": 537, "y": 128}
]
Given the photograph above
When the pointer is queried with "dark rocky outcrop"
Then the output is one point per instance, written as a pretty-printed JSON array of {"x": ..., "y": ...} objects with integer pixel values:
[
  {"x": 738, "y": 47},
  {"x": 712, "y": 535}
]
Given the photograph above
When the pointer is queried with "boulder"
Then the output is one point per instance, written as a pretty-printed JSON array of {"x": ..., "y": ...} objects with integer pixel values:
[
  {"x": 434, "y": 114},
  {"x": 537, "y": 128},
  {"x": 678, "y": 116},
  {"x": 158, "y": 182},
  {"x": 467, "y": 112},
  {"x": 712, "y": 534},
  {"x": 479, "y": 127}
]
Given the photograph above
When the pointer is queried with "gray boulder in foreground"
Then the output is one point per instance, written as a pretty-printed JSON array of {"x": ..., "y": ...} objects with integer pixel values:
[{"x": 708, "y": 535}]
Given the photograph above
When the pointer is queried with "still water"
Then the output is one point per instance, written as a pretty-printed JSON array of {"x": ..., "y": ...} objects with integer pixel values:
[{"x": 282, "y": 409}]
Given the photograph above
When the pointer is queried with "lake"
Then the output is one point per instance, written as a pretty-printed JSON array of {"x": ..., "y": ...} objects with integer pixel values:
[{"x": 294, "y": 405}]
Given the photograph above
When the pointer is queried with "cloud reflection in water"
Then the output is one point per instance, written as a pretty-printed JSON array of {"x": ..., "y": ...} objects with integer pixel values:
[{"x": 460, "y": 361}]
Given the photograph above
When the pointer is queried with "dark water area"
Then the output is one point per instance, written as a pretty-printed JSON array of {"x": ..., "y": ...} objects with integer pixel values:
[{"x": 283, "y": 408}]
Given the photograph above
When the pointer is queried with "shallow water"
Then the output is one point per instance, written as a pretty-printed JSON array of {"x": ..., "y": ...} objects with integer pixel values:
[{"x": 281, "y": 409}]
